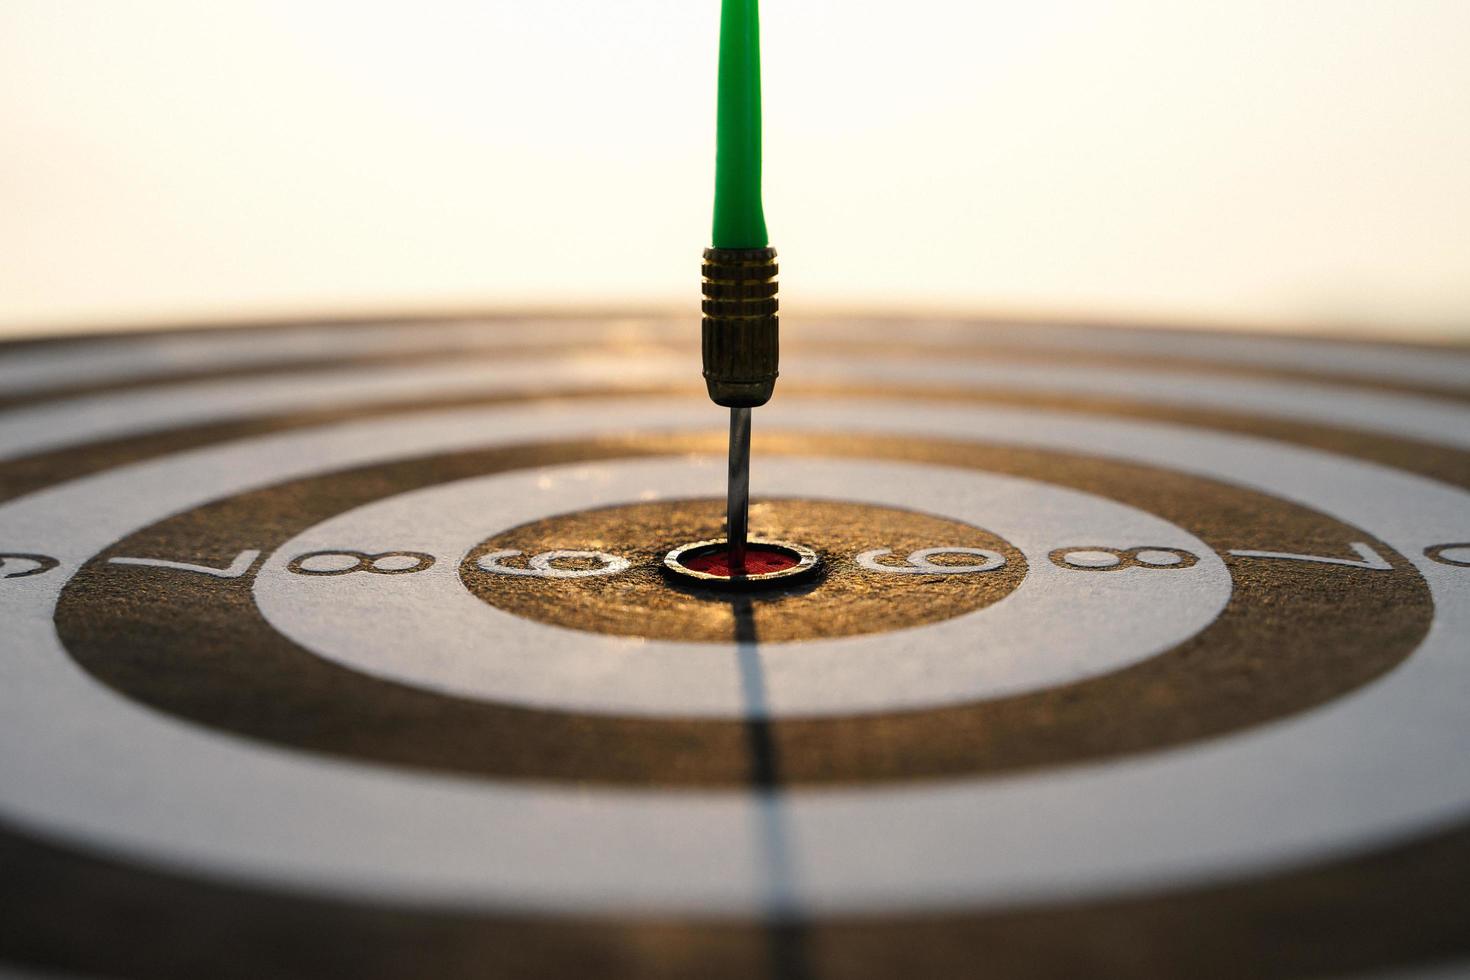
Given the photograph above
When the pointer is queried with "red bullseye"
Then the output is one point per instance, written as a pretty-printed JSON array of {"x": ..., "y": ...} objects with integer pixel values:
[
  {"x": 766, "y": 563},
  {"x": 758, "y": 561}
]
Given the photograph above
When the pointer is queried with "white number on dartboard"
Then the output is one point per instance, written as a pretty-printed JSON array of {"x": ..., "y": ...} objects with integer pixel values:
[
  {"x": 1456, "y": 553},
  {"x": 235, "y": 569},
  {"x": 34, "y": 564},
  {"x": 921, "y": 562},
  {"x": 543, "y": 565},
  {"x": 1367, "y": 557},
  {"x": 346, "y": 562},
  {"x": 1102, "y": 559}
]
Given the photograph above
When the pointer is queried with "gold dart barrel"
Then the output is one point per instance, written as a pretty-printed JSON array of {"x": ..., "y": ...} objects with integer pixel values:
[{"x": 740, "y": 332}]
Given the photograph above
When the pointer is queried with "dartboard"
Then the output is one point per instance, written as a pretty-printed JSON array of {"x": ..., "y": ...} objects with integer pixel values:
[{"x": 345, "y": 650}]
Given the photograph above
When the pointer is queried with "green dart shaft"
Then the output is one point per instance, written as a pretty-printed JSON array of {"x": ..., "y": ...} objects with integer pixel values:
[
  {"x": 740, "y": 221},
  {"x": 739, "y": 274}
]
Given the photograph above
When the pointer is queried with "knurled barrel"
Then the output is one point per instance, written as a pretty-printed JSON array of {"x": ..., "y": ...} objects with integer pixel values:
[{"x": 740, "y": 329}]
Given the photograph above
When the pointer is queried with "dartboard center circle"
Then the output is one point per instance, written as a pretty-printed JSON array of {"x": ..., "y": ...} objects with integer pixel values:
[{"x": 600, "y": 594}]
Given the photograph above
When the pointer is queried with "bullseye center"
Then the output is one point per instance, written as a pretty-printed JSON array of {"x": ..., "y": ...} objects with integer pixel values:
[{"x": 759, "y": 560}]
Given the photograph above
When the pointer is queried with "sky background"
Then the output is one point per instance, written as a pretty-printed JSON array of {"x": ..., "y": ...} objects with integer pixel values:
[{"x": 1266, "y": 164}]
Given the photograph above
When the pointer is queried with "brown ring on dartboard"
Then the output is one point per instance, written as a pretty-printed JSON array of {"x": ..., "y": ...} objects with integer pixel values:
[{"x": 1292, "y": 636}]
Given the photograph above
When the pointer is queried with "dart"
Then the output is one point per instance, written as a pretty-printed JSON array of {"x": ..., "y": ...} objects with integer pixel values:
[
  {"x": 739, "y": 332},
  {"x": 740, "y": 325},
  {"x": 381, "y": 600}
]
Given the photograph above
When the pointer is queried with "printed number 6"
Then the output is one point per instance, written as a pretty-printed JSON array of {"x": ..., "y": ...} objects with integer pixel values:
[
  {"x": 919, "y": 563},
  {"x": 540, "y": 566}
]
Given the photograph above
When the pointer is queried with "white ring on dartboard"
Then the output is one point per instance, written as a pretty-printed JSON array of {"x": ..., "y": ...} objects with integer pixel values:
[
  {"x": 81, "y": 763},
  {"x": 1057, "y": 627}
]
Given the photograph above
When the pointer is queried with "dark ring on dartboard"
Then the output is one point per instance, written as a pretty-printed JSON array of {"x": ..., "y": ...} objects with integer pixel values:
[{"x": 1326, "y": 638}]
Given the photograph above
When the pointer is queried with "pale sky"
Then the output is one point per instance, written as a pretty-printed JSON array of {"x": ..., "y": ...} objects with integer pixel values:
[{"x": 1276, "y": 163}]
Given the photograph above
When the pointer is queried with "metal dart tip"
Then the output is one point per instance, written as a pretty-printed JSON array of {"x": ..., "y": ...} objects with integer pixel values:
[{"x": 737, "y": 499}]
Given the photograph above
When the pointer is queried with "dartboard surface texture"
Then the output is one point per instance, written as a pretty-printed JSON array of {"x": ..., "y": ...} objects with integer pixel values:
[{"x": 344, "y": 650}]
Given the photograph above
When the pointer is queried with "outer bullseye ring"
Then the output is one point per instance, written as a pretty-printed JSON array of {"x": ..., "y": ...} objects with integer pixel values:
[{"x": 804, "y": 565}]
